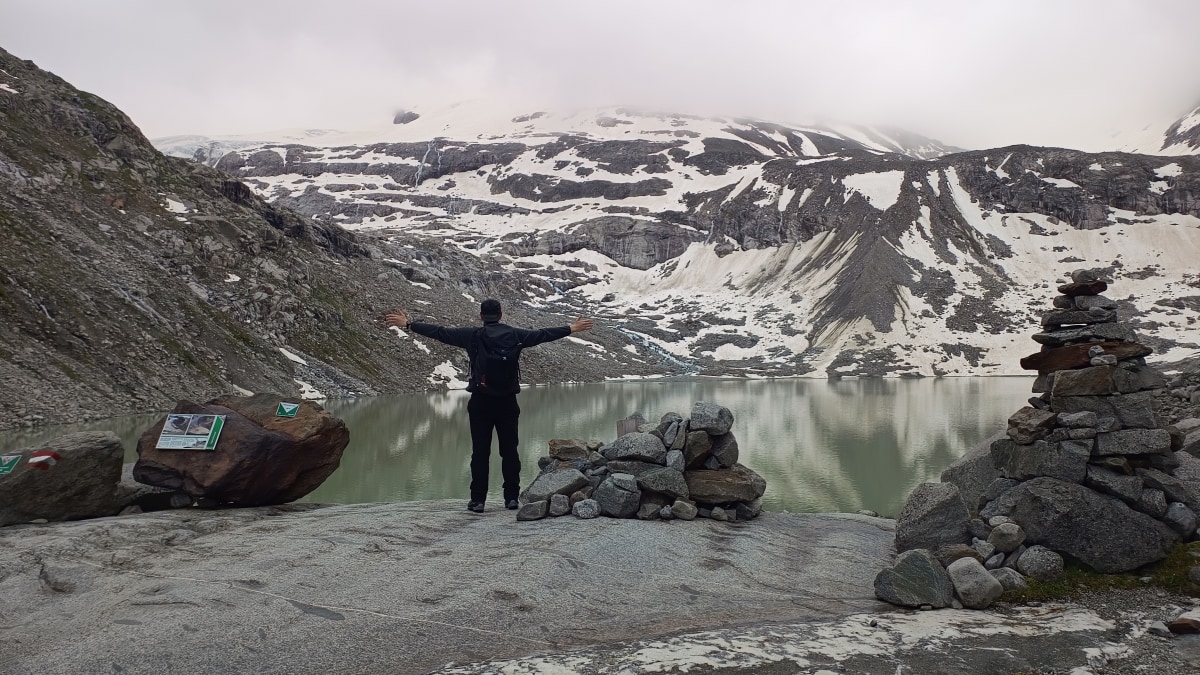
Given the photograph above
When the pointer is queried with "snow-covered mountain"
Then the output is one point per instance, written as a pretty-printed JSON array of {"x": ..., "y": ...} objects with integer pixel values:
[
  {"x": 1180, "y": 137},
  {"x": 737, "y": 245}
]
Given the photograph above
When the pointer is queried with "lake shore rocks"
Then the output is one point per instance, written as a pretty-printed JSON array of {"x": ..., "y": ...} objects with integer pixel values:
[
  {"x": 1084, "y": 473},
  {"x": 678, "y": 468}
]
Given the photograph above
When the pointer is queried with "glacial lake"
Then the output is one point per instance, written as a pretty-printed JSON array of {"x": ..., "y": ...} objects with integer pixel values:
[{"x": 823, "y": 446}]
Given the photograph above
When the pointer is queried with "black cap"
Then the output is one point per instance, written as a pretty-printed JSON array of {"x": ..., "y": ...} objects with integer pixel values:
[{"x": 489, "y": 310}]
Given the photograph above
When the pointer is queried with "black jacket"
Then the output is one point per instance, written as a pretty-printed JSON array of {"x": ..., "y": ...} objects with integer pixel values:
[{"x": 501, "y": 336}]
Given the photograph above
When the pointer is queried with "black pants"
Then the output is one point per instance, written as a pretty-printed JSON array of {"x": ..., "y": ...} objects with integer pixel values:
[{"x": 500, "y": 413}]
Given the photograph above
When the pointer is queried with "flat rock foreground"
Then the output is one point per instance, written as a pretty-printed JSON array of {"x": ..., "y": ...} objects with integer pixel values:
[{"x": 427, "y": 587}]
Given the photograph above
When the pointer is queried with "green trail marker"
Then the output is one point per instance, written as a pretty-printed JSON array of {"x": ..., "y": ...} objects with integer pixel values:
[
  {"x": 218, "y": 424},
  {"x": 287, "y": 409},
  {"x": 8, "y": 463}
]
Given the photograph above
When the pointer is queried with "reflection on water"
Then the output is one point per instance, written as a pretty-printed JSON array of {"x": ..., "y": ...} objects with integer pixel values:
[{"x": 822, "y": 446}]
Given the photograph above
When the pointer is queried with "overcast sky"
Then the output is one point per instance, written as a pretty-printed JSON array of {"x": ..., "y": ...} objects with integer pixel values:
[{"x": 975, "y": 74}]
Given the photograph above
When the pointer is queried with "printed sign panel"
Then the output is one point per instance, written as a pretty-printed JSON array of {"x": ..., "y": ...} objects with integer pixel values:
[
  {"x": 287, "y": 409},
  {"x": 190, "y": 432},
  {"x": 8, "y": 463}
]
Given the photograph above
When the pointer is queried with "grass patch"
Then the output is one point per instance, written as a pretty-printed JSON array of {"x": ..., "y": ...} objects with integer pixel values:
[{"x": 1170, "y": 573}]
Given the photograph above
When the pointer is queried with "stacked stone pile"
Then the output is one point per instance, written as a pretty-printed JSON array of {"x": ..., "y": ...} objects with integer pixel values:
[
  {"x": 1086, "y": 472},
  {"x": 679, "y": 468}
]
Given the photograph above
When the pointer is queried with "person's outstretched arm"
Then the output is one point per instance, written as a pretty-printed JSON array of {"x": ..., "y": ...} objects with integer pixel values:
[
  {"x": 457, "y": 337},
  {"x": 530, "y": 338}
]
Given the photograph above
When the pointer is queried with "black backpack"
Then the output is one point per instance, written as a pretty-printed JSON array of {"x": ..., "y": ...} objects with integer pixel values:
[{"x": 499, "y": 368}]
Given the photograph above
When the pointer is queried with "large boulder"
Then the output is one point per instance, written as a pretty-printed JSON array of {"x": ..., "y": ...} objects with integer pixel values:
[
  {"x": 973, "y": 584},
  {"x": 640, "y": 446},
  {"x": 1065, "y": 460},
  {"x": 259, "y": 459},
  {"x": 79, "y": 479},
  {"x": 973, "y": 472},
  {"x": 560, "y": 482},
  {"x": 724, "y": 486},
  {"x": 916, "y": 579},
  {"x": 664, "y": 481},
  {"x": 710, "y": 417},
  {"x": 1133, "y": 411},
  {"x": 1098, "y": 531},
  {"x": 618, "y": 495},
  {"x": 933, "y": 516},
  {"x": 725, "y": 450}
]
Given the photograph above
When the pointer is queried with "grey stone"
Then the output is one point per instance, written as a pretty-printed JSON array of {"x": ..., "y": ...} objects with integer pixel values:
[
  {"x": 1078, "y": 420},
  {"x": 1174, "y": 488},
  {"x": 979, "y": 529},
  {"x": 973, "y": 472},
  {"x": 563, "y": 481},
  {"x": 933, "y": 516},
  {"x": 1039, "y": 562},
  {"x": 748, "y": 510},
  {"x": 718, "y": 513},
  {"x": 637, "y": 446},
  {"x": 82, "y": 484},
  {"x": 696, "y": 448},
  {"x": 1010, "y": 579},
  {"x": 711, "y": 463},
  {"x": 951, "y": 552},
  {"x": 1066, "y": 460},
  {"x": 998, "y": 520},
  {"x": 664, "y": 481},
  {"x": 632, "y": 467},
  {"x": 648, "y": 511},
  {"x": 1093, "y": 381},
  {"x": 666, "y": 513},
  {"x": 1134, "y": 442},
  {"x": 1007, "y": 537},
  {"x": 1181, "y": 519},
  {"x": 710, "y": 417},
  {"x": 915, "y": 579},
  {"x": 586, "y": 508},
  {"x": 674, "y": 460},
  {"x": 1117, "y": 332},
  {"x": 1134, "y": 378},
  {"x": 683, "y": 509},
  {"x": 1127, "y": 488},
  {"x": 995, "y": 562},
  {"x": 1104, "y": 360},
  {"x": 615, "y": 496},
  {"x": 1159, "y": 629},
  {"x": 1098, "y": 531},
  {"x": 1089, "y": 301},
  {"x": 1010, "y": 560},
  {"x": 725, "y": 449},
  {"x": 1056, "y": 318},
  {"x": 995, "y": 489},
  {"x": 1029, "y": 424},
  {"x": 672, "y": 431},
  {"x": 973, "y": 584},
  {"x": 1152, "y": 502},
  {"x": 1194, "y": 575},
  {"x": 1132, "y": 411},
  {"x": 533, "y": 510},
  {"x": 596, "y": 460},
  {"x": 983, "y": 548},
  {"x": 560, "y": 505},
  {"x": 1081, "y": 434}
]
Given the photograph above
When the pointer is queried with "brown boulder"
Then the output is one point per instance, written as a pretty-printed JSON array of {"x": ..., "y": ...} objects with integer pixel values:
[
  {"x": 1083, "y": 288},
  {"x": 1076, "y": 356},
  {"x": 568, "y": 449},
  {"x": 724, "y": 486},
  {"x": 78, "y": 479},
  {"x": 259, "y": 458}
]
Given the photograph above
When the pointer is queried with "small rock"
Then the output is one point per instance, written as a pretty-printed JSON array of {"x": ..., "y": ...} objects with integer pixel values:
[
  {"x": 560, "y": 505},
  {"x": 675, "y": 460},
  {"x": 1160, "y": 629},
  {"x": 973, "y": 584},
  {"x": 995, "y": 562},
  {"x": 1194, "y": 575},
  {"x": 1011, "y": 580},
  {"x": 1040, "y": 563},
  {"x": 586, "y": 508},
  {"x": 720, "y": 514},
  {"x": 533, "y": 510},
  {"x": 1184, "y": 625},
  {"x": 1006, "y": 537},
  {"x": 996, "y": 521},
  {"x": 683, "y": 509}
]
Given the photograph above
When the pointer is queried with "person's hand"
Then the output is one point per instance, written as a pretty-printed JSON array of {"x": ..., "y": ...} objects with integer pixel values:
[
  {"x": 581, "y": 324},
  {"x": 397, "y": 318}
]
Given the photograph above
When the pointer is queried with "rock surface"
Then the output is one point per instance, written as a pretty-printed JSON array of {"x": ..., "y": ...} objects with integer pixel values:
[
  {"x": 289, "y": 583},
  {"x": 933, "y": 516}
]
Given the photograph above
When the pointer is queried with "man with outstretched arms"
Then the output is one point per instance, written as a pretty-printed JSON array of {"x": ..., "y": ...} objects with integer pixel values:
[{"x": 494, "y": 351}]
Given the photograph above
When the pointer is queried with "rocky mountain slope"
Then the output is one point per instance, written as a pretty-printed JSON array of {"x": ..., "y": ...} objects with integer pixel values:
[
  {"x": 129, "y": 279},
  {"x": 1177, "y": 137},
  {"x": 748, "y": 247}
]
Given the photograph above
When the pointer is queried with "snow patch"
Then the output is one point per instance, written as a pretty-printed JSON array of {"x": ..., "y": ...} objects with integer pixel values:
[
  {"x": 231, "y": 278},
  {"x": 176, "y": 207},
  {"x": 445, "y": 373},
  {"x": 1171, "y": 169},
  {"x": 309, "y": 392},
  {"x": 881, "y": 189},
  {"x": 5, "y": 87},
  {"x": 292, "y": 357}
]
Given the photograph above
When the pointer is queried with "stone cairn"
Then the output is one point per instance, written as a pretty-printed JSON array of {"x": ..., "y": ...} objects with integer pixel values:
[
  {"x": 676, "y": 469},
  {"x": 1085, "y": 473}
]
